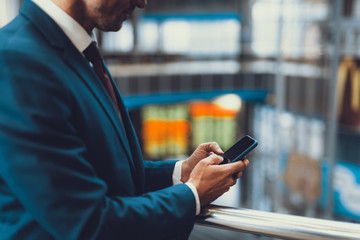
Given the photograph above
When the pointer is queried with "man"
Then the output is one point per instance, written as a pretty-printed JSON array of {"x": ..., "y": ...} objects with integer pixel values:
[{"x": 70, "y": 163}]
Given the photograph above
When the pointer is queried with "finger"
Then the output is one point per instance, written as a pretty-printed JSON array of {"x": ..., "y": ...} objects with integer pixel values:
[
  {"x": 214, "y": 159},
  {"x": 246, "y": 162},
  {"x": 235, "y": 167},
  {"x": 239, "y": 174},
  {"x": 214, "y": 147},
  {"x": 233, "y": 181}
]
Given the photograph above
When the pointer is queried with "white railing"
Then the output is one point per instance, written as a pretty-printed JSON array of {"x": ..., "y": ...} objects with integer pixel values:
[{"x": 276, "y": 224}]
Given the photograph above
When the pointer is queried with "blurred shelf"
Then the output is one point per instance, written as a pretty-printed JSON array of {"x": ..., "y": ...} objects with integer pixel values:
[
  {"x": 307, "y": 70},
  {"x": 174, "y": 68}
]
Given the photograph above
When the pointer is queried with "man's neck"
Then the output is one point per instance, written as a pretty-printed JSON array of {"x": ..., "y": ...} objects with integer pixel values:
[
  {"x": 77, "y": 10},
  {"x": 72, "y": 29}
]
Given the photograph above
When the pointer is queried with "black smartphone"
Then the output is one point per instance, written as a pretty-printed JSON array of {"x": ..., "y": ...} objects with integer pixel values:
[{"x": 239, "y": 150}]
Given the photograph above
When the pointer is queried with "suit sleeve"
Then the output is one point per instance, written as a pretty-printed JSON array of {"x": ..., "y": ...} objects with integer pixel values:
[
  {"x": 158, "y": 175},
  {"x": 44, "y": 164}
]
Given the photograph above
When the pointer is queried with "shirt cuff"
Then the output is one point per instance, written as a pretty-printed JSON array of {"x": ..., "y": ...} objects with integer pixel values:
[
  {"x": 177, "y": 173},
  {"x": 176, "y": 180},
  {"x": 196, "y": 195}
]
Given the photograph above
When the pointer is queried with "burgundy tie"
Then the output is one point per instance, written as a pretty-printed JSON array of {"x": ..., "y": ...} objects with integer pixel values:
[{"x": 92, "y": 54}]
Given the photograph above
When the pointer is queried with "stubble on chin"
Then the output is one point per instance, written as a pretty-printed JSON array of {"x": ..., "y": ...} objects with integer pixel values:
[
  {"x": 111, "y": 25},
  {"x": 109, "y": 21}
]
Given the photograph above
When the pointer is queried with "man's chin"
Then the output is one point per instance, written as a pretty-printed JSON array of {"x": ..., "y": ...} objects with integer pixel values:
[{"x": 112, "y": 28}]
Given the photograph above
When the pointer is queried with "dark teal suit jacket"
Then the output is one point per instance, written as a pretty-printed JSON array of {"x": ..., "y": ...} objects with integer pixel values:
[{"x": 68, "y": 169}]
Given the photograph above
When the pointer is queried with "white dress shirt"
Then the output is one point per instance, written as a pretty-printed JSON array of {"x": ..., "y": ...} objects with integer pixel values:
[{"x": 81, "y": 40}]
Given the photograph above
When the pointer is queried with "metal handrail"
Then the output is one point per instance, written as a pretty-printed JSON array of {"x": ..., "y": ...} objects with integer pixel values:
[{"x": 276, "y": 224}]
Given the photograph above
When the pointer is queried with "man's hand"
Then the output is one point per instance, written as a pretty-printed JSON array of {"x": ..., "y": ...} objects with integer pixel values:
[
  {"x": 211, "y": 180},
  {"x": 202, "y": 151}
]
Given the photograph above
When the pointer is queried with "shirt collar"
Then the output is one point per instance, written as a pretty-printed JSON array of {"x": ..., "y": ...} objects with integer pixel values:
[{"x": 72, "y": 29}]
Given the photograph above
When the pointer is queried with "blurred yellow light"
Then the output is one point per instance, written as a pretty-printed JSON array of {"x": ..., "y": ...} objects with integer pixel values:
[{"x": 229, "y": 101}]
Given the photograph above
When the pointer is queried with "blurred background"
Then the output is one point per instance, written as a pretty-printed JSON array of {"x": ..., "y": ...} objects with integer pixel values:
[{"x": 285, "y": 72}]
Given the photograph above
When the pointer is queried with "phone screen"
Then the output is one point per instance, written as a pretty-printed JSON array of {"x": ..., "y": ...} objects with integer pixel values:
[{"x": 239, "y": 150}]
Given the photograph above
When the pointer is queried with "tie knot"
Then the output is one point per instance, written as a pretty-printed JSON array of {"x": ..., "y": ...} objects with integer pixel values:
[{"x": 92, "y": 53}]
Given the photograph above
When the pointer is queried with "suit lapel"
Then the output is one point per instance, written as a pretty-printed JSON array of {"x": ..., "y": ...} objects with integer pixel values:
[
  {"x": 91, "y": 80},
  {"x": 130, "y": 131},
  {"x": 78, "y": 64}
]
